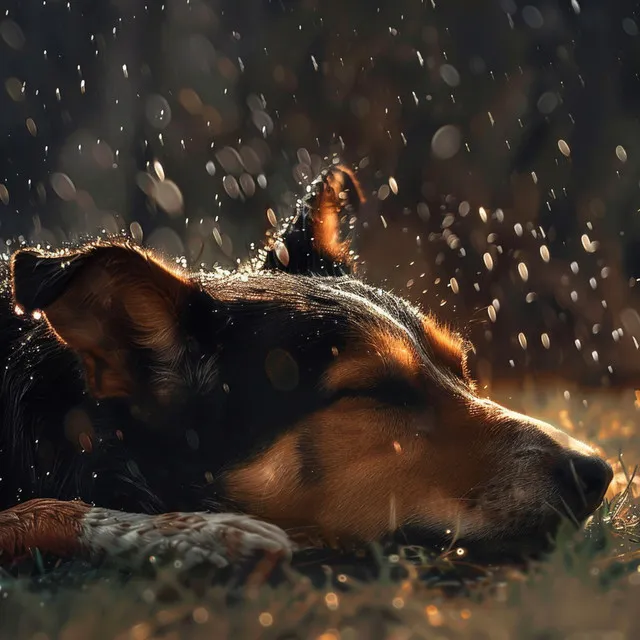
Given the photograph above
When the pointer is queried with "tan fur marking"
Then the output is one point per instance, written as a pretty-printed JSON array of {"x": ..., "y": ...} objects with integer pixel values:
[
  {"x": 111, "y": 381},
  {"x": 270, "y": 483},
  {"x": 375, "y": 474},
  {"x": 448, "y": 346},
  {"x": 385, "y": 353},
  {"x": 121, "y": 298},
  {"x": 329, "y": 205},
  {"x": 381, "y": 466},
  {"x": 52, "y": 526}
]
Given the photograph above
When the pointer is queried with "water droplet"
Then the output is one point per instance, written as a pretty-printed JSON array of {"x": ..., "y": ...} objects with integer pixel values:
[
  {"x": 523, "y": 271},
  {"x": 532, "y": 17},
  {"x": 158, "y": 111},
  {"x": 12, "y": 34},
  {"x": 587, "y": 244},
  {"x": 450, "y": 75},
  {"x": 446, "y": 142},
  {"x": 230, "y": 160},
  {"x": 63, "y": 186},
  {"x": 247, "y": 184},
  {"x": 282, "y": 253},
  {"x": 159, "y": 169},
  {"x": 564, "y": 148},
  {"x": 630, "y": 27},
  {"x": 621, "y": 153},
  {"x": 168, "y": 196},
  {"x": 231, "y": 186},
  {"x": 136, "y": 232},
  {"x": 544, "y": 253},
  {"x": 15, "y": 89},
  {"x": 166, "y": 241},
  {"x": 547, "y": 102}
]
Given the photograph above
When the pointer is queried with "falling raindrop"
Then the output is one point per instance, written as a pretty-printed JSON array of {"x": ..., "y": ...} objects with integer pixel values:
[
  {"x": 446, "y": 142},
  {"x": 231, "y": 186},
  {"x": 63, "y": 186},
  {"x": 168, "y": 196},
  {"x": 564, "y": 148},
  {"x": 158, "y": 112},
  {"x": 523, "y": 271}
]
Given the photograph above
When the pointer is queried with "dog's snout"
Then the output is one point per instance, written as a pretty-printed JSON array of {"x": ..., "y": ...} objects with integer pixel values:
[{"x": 582, "y": 481}]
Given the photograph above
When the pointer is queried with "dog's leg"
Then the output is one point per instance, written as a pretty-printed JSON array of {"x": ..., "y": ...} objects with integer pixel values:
[{"x": 131, "y": 540}]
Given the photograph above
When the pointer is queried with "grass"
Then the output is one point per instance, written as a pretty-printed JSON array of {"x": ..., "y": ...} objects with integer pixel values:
[{"x": 587, "y": 589}]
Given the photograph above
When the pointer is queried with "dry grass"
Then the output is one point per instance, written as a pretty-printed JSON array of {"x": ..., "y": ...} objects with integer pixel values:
[{"x": 588, "y": 589}]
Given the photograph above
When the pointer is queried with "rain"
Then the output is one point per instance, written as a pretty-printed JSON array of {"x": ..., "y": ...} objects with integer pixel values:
[{"x": 498, "y": 145}]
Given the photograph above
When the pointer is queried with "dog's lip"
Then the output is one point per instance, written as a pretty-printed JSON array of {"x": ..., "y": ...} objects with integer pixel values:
[{"x": 520, "y": 544}]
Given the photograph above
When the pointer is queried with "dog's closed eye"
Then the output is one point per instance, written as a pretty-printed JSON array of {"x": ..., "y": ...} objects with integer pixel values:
[{"x": 393, "y": 391}]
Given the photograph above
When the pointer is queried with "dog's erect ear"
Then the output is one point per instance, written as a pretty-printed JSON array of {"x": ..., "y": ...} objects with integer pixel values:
[
  {"x": 310, "y": 243},
  {"x": 111, "y": 303}
]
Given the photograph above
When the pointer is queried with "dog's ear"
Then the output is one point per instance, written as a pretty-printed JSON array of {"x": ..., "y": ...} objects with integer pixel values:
[
  {"x": 114, "y": 304},
  {"x": 310, "y": 243}
]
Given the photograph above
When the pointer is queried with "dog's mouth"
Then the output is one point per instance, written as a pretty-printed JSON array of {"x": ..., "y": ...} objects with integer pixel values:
[
  {"x": 529, "y": 539},
  {"x": 419, "y": 543},
  {"x": 524, "y": 542}
]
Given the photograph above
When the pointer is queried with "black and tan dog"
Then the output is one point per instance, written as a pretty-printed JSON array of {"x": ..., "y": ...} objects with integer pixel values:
[{"x": 208, "y": 414}]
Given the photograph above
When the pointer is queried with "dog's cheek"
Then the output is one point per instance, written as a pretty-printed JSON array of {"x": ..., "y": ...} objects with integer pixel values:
[{"x": 269, "y": 485}]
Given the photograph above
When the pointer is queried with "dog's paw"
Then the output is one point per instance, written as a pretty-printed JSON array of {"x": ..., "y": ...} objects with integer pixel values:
[{"x": 186, "y": 539}]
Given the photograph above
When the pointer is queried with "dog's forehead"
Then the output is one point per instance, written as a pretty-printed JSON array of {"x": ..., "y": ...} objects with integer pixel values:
[
  {"x": 346, "y": 299},
  {"x": 337, "y": 306}
]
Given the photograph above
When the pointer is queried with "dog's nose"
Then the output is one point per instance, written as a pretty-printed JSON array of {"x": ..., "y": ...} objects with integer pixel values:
[{"x": 583, "y": 481}]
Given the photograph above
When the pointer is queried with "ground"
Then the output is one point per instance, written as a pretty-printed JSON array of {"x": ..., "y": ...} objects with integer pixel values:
[{"x": 588, "y": 589}]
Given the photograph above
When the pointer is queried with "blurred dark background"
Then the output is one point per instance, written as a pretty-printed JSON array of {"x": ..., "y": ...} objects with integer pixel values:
[{"x": 498, "y": 142}]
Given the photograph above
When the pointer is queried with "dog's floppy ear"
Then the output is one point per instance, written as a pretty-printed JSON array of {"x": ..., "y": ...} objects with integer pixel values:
[
  {"x": 310, "y": 243},
  {"x": 114, "y": 304}
]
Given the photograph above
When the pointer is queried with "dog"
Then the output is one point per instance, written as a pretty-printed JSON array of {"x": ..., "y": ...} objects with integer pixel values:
[{"x": 151, "y": 412}]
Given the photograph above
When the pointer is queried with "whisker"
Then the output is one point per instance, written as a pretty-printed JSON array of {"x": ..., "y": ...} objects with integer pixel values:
[
  {"x": 570, "y": 515},
  {"x": 574, "y": 473}
]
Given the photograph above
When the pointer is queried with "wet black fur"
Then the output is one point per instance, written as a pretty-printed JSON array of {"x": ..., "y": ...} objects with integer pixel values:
[
  {"x": 153, "y": 458},
  {"x": 166, "y": 454}
]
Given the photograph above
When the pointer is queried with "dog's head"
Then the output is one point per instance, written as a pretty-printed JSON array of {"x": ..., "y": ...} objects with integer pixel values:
[{"x": 299, "y": 394}]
